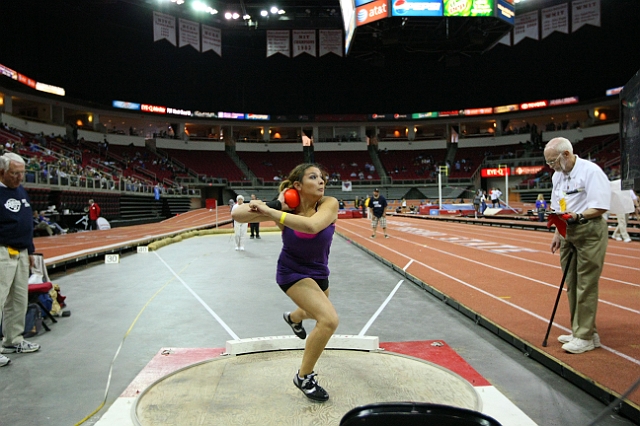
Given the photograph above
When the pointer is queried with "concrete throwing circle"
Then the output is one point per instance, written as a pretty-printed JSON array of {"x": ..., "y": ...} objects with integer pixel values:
[{"x": 258, "y": 389}]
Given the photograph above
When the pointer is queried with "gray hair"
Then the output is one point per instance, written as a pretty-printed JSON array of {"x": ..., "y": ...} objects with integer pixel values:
[
  {"x": 560, "y": 145},
  {"x": 7, "y": 158},
  {"x": 239, "y": 197}
]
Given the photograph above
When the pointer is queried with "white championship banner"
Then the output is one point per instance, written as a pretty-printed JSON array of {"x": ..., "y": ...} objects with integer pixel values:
[
  {"x": 555, "y": 18},
  {"x": 189, "y": 34},
  {"x": 585, "y": 12},
  {"x": 211, "y": 39},
  {"x": 526, "y": 26},
  {"x": 278, "y": 42},
  {"x": 303, "y": 41},
  {"x": 164, "y": 27},
  {"x": 330, "y": 42}
]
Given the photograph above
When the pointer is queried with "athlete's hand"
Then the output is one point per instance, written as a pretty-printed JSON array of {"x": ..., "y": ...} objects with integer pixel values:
[{"x": 254, "y": 205}]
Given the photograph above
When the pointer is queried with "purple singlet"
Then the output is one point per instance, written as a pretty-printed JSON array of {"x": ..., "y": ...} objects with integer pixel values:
[{"x": 304, "y": 255}]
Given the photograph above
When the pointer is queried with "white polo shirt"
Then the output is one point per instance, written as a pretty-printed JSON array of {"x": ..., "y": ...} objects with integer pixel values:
[{"x": 585, "y": 187}]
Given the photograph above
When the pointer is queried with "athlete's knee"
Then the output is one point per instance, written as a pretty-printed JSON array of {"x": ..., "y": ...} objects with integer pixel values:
[{"x": 331, "y": 321}]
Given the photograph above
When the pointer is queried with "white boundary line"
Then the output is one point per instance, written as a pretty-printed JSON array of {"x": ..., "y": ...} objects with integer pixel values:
[
  {"x": 233, "y": 335},
  {"x": 380, "y": 309}
]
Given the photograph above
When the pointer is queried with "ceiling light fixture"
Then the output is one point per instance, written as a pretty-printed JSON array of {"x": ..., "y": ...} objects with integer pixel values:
[{"x": 201, "y": 7}]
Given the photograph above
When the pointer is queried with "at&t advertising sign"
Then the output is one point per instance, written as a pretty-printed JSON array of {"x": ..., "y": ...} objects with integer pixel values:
[{"x": 372, "y": 12}]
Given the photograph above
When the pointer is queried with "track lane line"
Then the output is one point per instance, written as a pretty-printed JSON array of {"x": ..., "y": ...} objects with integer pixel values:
[
  {"x": 497, "y": 298},
  {"x": 524, "y": 259},
  {"x": 506, "y": 271},
  {"x": 507, "y": 233}
]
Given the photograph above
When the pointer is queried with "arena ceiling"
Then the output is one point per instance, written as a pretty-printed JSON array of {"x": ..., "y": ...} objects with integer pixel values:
[{"x": 103, "y": 50}]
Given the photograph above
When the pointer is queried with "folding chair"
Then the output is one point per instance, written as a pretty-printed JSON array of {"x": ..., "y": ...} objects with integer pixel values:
[
  {"x": 39, "y": 273},
  {"x": 414, "y": 414}
]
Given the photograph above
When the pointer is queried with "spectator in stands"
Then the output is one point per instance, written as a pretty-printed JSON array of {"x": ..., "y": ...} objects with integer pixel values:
[
  {"x": 582, "y": 191},
  {"x": 303, "y": 273},
  {"x": 16, "y": 249},
  {"x": 255, "y": 226},
  {"x": 620, "y": 233},
  {"x": 378, "y": 209},
  {"x": 41, "y": 225},
  {"x": 240, "y": 229},
  {"x": 541, "y": 207},
  {"x": 94, "y": 214}
]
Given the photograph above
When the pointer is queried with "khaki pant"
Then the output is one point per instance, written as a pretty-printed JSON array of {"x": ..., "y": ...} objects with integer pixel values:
[
  {"x": 46, "y": 227},
  {"x": 14, "y": 294},
  {"x": 240, "y": 232},
  {"x": 621, "y": 229},
  {"x": 589, "y": 245}
]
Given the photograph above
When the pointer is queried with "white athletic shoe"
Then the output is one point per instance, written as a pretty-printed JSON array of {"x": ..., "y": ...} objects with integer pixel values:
[
  {"x": 4, "y": 361},
  {"x": 578, "y": 346},
  {"x": 566, "y": 338}
]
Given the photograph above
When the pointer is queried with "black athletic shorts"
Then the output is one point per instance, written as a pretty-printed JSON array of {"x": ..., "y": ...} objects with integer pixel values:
[{"x": 322, "y": 283}]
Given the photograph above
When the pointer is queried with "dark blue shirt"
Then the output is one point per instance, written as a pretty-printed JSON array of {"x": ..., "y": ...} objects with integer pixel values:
[
  {"x": 16, "y": 219},
  {"x": 378, "y": 205}
]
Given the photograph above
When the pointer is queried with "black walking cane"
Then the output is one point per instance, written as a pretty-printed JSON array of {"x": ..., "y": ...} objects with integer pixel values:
[{"x": 555, "y": 307}]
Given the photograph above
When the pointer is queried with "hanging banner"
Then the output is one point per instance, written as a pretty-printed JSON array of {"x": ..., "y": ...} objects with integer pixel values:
[
  {"x": 506, "y": 39},
  {"x": 164, "y": 27},
  {"x": 211, "y": 39},
  {"x": 278, "y": 42},
  {"x": 526, "y": 26},
  {"x": 304, "y": 41},
  {"x": 330, "y": 42},
  {"x": 346, "y": 186},
  {"x": 555, "y": 18},
  {"x": 189, "y": 34},
  {"x": 585, "y": 12}
]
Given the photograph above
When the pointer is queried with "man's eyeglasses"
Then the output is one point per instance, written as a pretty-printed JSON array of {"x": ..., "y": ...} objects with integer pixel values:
[
  {"x": 15, "y": 174},
  {"x": 553, "y": 163}
]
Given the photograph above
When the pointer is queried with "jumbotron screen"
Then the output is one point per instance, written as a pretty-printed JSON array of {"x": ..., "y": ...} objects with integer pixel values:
[{"x": 452, "y": 8}]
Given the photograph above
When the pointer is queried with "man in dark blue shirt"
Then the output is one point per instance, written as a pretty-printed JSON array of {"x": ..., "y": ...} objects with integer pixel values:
[
  {"x": 378, "y": 207},
  {"x": 16, "y": 248}
]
